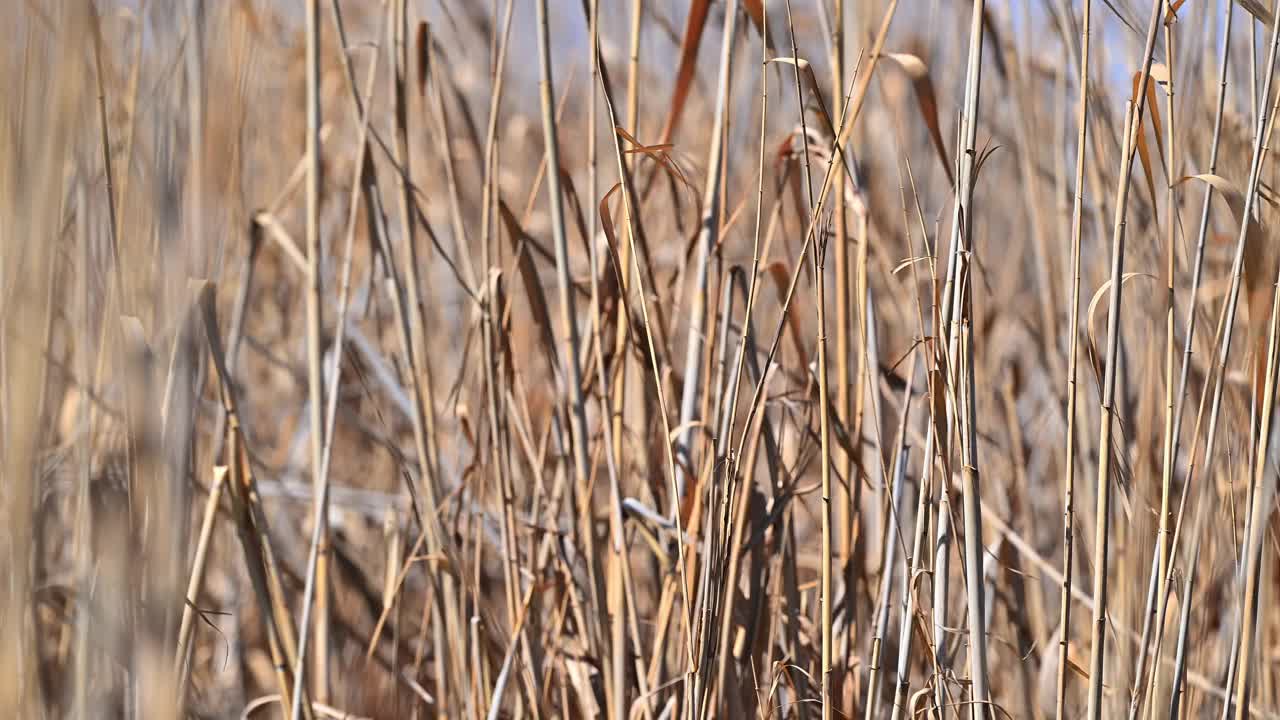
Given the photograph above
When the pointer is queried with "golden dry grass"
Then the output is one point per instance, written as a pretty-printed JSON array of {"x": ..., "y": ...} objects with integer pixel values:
[{"x": 783, "y": 388}]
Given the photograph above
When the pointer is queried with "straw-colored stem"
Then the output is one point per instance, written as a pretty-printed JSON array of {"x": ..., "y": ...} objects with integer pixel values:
[
  {"x": 1102, "y": 518},
  {"x": 1073, "y": 367}
]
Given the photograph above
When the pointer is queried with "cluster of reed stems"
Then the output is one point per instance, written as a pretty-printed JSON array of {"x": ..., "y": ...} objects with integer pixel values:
[{"x": 639, "y": 359}]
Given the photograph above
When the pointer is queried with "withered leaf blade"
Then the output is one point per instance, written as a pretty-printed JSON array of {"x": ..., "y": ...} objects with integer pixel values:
[
  {"x": 689, "y": 44},
  {"x": 423, "y": 45},
  {"x": 922, "y": 83}
]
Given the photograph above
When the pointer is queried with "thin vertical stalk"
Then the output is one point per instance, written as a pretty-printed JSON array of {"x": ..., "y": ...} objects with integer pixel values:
[
  {"x": 405, "y": 298},
  {"x": 1073, "y": 372},
  {"x": 1102, "y": 539},
  {"x": 1163, "y": 548},
  {"x": 888, "y": 558},
  {"x": 182, "y": 659},
  {"x": 963, "y": 247},
  {"x": 568, "y": 316},
  {"x": 843, "y": 380},
  {"x": 314, "y": 585},
  {"x": 315, "y": 369},
  {"x": 1202, "y": 234},
  {"x": 1184, "y": 621},
  {"x": 819, "y": 240}
]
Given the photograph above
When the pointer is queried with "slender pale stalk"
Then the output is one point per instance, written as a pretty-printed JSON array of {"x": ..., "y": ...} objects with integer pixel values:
[
  {"x": 314, "y": 587},
  {"x": 1184, "y": 621},
  {"x": 197, "y": 580},
  {"x": 963, "y": 247},
  {"x": 824, "y": 405},
  {"x": 315, "y": 350},
  {"x": 889, "y": 551},
  {"x": 409, "y": 330},
  {"x": 907, "y": 622},
  {"x": 1203, "y": 232},
  {"x": 1261, "y": 131},
  {"x": 1102, "y": 539},
  {"x": 843, "y": 380},
  {"x": 1073, "y": 374},
  {"x": 568, "y": 315},
  {"x": 1163, "y": 548}
]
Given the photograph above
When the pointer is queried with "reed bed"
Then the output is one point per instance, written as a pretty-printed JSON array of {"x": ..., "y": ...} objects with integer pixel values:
[{"x": 639, "y": 359}]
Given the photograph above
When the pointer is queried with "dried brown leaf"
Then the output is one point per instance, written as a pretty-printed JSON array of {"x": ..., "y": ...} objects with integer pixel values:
[
  {"x": 423, "y": 45},
  {"x": 1259, "y": 264},
  {"x": 689, "y": 44},
  {"x": 922, "y": 83},
  {"x": 815, "y": 92},
  {"x": 520, "y": 243}
]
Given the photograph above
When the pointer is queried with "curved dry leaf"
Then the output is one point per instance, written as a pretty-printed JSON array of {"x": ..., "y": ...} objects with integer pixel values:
[
  {"x": 811, "y": 79},
  {"x": 606, "y": 217},
  {"x": 1101, "y": 292},
  {"x": 688, "y": 425},
  {"x": 798, "y": 62},
  {"x": 1228, "y": 190},
  {"x": 922, "y": 83},
  {"x": 1258, "y": 264},
  {"x": 1144, "y": 152},
  {"x": 660, "y": 154},
  {"x": 982, "y": 161},
  {"x": 911, "y": 64},
  {"x": 908, "y": 262},
  {"x": 537, "y": 299}
]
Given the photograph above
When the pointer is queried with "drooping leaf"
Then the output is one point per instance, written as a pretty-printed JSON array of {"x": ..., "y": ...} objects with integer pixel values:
[
  {"x": 1259, "y": 267},
  {"x": 521, "y": 245},
  {"x": 1144, "y": 152},
  {"x": 922, "y": 83},
  {"x": 660, "y": 153},
  {"x": 694, "y": 25},
  {"x": 815, "y": 93}
]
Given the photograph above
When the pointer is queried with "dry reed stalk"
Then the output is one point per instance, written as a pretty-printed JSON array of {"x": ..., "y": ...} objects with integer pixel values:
[
  {"x": 409, "y": 324},
  {"x": 251, "y": 524},
  {"x": 1073, "y": 367},
  {"x": 1132, "y": 129},
  {"x": 1163, "y": 547},
  {"x": 316, "y": 583},
  {"x": 961, "y": 339},
  {"x": 192, "y": 597},
  {"x": 315, "y": 370}
]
